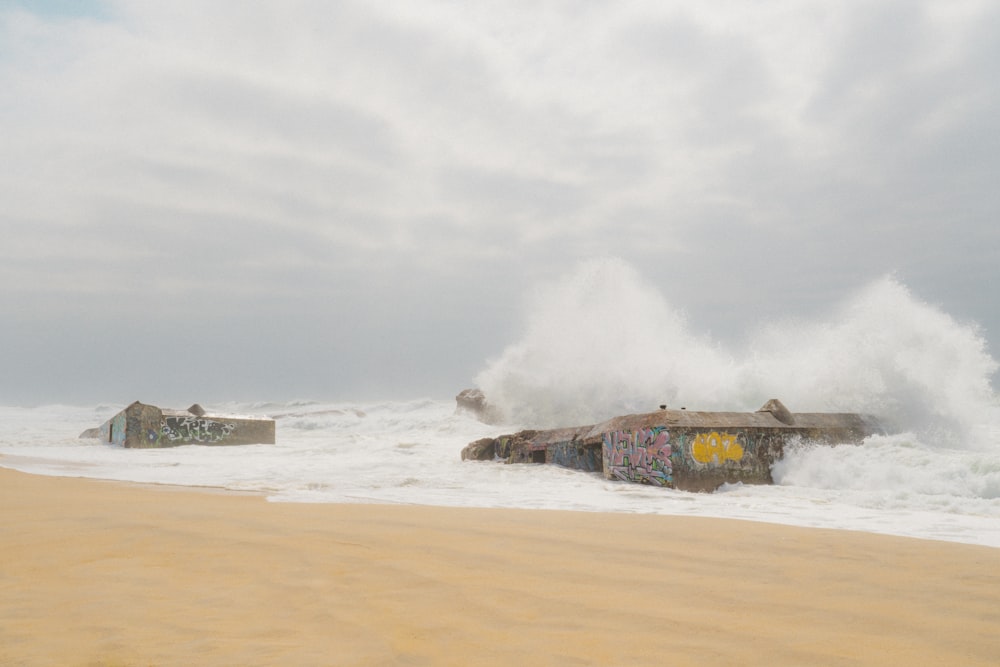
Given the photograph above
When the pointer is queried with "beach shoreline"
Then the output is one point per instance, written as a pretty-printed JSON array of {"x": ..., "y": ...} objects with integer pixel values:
[{"x": 113, "y": 573}]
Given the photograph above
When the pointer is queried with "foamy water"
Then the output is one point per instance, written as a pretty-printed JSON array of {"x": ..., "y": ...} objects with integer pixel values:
[{"x": 936, "y": 477}]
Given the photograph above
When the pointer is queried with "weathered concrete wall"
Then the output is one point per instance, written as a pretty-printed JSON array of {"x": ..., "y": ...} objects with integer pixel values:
[
  {"x": 696, "y": 451},
  {"x": 147, "y": 426},
  {"x": 693, "y": 459}
]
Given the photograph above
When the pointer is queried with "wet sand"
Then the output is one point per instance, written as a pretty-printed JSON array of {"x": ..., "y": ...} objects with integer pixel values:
[{"x": 101, "y": 573}]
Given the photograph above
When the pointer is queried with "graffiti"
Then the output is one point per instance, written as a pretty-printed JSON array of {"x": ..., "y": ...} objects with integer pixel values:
[
  {"x": 716, "y": 448},
  {"x": 194, "y": 429},
  {"x": 572, "y": 455},
  {"x": 639, "y": 456}
]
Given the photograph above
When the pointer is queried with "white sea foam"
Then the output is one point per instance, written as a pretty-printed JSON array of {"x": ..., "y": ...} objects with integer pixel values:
[
  {"x": 408, "y": 452},
  {"x": 884, "y": 351}
]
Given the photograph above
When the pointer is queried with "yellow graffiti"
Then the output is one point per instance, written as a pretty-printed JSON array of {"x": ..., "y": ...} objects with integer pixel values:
[{"x": 716, "y": 448}]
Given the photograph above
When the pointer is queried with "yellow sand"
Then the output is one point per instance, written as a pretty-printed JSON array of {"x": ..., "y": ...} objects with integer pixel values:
[{"x": 99, "y": 573}]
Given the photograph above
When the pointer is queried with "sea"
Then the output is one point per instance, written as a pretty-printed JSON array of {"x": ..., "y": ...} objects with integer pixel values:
[{"x": 934, "y": 474}]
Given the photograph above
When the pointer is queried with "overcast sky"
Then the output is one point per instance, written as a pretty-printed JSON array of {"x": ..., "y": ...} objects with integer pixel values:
[{"x": 319, "y": 199}]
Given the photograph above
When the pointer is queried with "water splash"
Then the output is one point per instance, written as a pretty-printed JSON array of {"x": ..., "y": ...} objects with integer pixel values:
[
  {"x": 600, "y": 342},
  {"x": 885, "y": 352}
]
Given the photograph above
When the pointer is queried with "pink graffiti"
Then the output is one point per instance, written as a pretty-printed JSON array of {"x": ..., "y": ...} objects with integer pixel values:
[{"x": 641, "y": 455}]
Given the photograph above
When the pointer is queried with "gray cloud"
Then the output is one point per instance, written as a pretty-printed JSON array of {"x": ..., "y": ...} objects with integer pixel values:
[{"x": 361, "y": 194}]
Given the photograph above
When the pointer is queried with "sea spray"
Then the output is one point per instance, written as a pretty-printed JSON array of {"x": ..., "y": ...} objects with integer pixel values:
[
  {"x": 600, "y": 342},
  {"x": 883, "y": 352}
]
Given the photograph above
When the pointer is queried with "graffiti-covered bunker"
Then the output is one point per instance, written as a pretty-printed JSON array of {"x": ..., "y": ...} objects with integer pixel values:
[
  {"x": 141, "y": 425},
  {"x": 682, "y": 449}
]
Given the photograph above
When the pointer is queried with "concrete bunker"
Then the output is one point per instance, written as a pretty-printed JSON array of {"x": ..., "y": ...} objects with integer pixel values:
[
  {"x": 681, "y": 449},
  {"x": 147, "y": 426}
]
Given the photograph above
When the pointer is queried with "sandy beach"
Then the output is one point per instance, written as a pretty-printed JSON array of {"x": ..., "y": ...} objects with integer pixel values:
[{"x": 100, "y": 573}]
